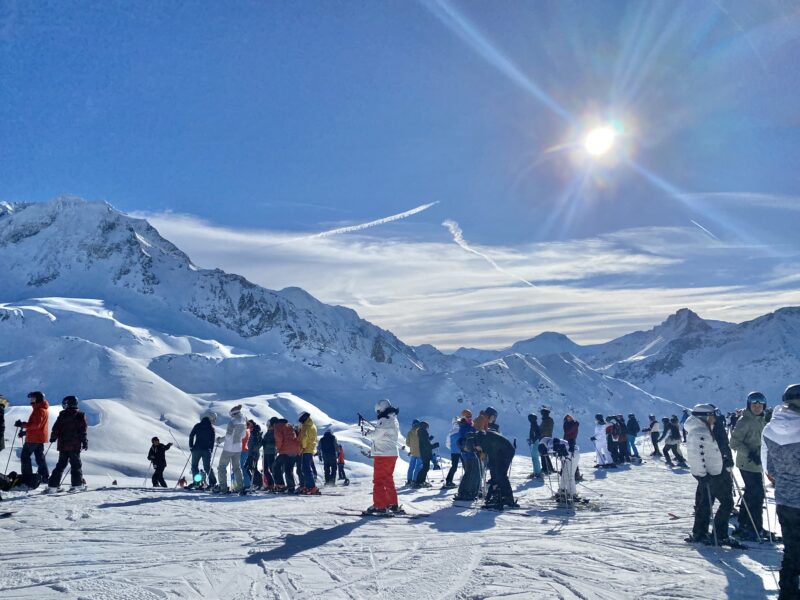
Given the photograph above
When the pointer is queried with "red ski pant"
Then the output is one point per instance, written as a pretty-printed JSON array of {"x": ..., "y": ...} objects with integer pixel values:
[{"x": 384, "y": 493}]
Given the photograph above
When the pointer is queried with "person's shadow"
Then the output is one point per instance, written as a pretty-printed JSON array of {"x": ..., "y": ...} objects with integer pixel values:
[{"x": 295, "y": 544}]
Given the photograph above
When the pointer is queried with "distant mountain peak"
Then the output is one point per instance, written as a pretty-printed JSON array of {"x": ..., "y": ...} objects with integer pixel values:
[{"x": 685, "y": 322}]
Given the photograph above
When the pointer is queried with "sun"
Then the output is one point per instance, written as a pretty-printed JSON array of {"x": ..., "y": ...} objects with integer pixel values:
[{"x": 599, "y": 140}]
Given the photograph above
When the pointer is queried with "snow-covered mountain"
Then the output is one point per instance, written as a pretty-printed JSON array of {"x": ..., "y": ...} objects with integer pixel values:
[
  {"x": 98, "y": 304},
  {"x": 548, "y": 342}
]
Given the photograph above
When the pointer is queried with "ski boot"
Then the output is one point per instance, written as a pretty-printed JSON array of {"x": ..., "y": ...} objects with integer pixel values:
[
  {"x": 377, "y": 512},
  {"x": 702, "y": 538},
  {"x": 77, "y": 488},
  {"x": 52, "y": 490},
  {"x": 396, "y": 509}
]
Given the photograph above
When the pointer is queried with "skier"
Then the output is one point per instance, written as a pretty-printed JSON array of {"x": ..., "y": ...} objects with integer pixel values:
[
  {"x": 201, "y": 444},
  {"x": 243, "y": 458},
  {"x": 3, "y": 406},
  {"x": 711, "y": 466},
  {"x": 604, "y": 459},
  {"x": 231, "y": 451},
  {"x": 328, "y": 447},
  {"x": 780, "y": 458},
  {"x": 470, "y": 483},
  {"x": 412, "y": 443},
  {"x": 69, "y": 431},
  {"x": 384, "y": 453},
  {"x": 567, "y": 485},
  {"x": 254, "y": 441},
  {"x": 308, "y": 447},
  {"x": 268, "y": 444},
  {"x": 746, "y": 440},
  {"x": 35, "y": 430},
  {"x": 621, "y": 438},
  {"x": 455, "y": 452},
  {"x": 425, "y": 454},
  {"x": 340, "y": 464},
  {"x": 632, "y": 429},
  {"x": 570, "y": 436},
  {"x": 671, "y": 437},
  {"x": 653, "y": 429},
  {"x": 534, "y": 435},
  {"x": 288, "y": 446},
  {"x": 500, "y": 453},
  {"x": 157, "y": 456},
  {"x": 546, "y": 429},
  {"x": 491, "y": 416}
]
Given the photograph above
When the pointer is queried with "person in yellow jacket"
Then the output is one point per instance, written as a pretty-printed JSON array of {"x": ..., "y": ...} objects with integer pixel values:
[{"x": 308, "y": 448}]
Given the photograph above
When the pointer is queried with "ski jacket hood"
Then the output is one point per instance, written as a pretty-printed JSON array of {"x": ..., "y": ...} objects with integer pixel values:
[
  {"x": 202, "y": 435},
  {"x": 780, "y": 455},
  {"x": 384, "y": 436}
]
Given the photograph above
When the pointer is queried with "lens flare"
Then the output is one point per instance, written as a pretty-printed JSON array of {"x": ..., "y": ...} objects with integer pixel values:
[{"x": 599, "y": 140}]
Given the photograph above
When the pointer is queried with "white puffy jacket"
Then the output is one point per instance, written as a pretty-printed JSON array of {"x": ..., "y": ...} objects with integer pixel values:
[
  {"x": 384, "y": 436},
  {"x": 703, "y": 453},
  {"x": 235, "y": 433}
]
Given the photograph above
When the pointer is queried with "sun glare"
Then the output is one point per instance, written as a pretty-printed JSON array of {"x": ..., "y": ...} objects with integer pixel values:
[{"x": 599, "y": 140}]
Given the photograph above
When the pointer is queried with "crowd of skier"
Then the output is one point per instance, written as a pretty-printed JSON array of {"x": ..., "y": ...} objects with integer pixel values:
[{"x": 766, "y": 442}]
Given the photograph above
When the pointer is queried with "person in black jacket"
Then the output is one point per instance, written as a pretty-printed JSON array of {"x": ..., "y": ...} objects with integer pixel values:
[
  {"x": 328, "y": 449},
  {"x": 3, "y": 406},
  {"x": 201, "y": 445},
  {"x": 70, "y": 432},
  {"x": 534, "y": 435},
  {"x": 271, "y": 479},
  {"x": 157, "y": 456},
  {"x": 632, "y": 427},
  {"x": 425, "y": 454},
  {"x": 500, "y": 453},
  {"x": 254, "y": 442}
]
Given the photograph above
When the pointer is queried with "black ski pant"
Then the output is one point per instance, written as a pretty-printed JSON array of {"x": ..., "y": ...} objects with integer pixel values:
[
  {"x": 547, "y": 464},
  {"x": 75, "y": 469},
  {"x": 158, "y": 476},
  {"x": 613, "y": 448},
  {"x": 329, "y": 466},
  {"x": 423, "y": 472},
  {"x": 471, "y": 481},
  {"x": 789, "y": 518},
  {"x": 654, "y": 439},
  {"x": 269, "y": 464},
  {"x": 454, "y": 458},
  {"x": 205, "y": 457},
  {"x": 284, "y": 465},
  {"x": 710, "y": 488},
  {"x": 754, "y": 500},
  {"x": 624, "y": 451},
  {"x": 342, "y": 474},
  {"x": 676, "y": 453},
  {"x": 500, "y": 491},
  {"x": 37, "y": 450}
]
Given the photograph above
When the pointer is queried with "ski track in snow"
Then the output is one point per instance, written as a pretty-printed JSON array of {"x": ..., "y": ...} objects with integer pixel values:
[{"x": 141, "y": 544}]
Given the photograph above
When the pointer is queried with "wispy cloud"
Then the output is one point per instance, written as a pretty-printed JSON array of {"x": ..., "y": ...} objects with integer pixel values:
[
  {"x": 592, "y": 289},
  {"x": 750, "y": 199},
  {"x": 458, "y": 238}
]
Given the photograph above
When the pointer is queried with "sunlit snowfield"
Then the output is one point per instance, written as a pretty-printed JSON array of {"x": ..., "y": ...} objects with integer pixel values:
[{"x": 173, "y": 544}]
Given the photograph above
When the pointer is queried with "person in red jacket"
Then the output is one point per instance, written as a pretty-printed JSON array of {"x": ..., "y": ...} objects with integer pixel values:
[
  {"x": 36, "y": 432},
  {"x": 69, "y": 431},
  {"x": 287, "y": 444}
]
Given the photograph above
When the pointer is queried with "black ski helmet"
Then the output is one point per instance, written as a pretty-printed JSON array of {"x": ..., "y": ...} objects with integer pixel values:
[
  {"x": 69, "y": 402},
  {"x": 303, "y": 417},
  {"x": 791, "y": 396},
  {"x": 757, "y": 398},
  {"x": 599, "y": 418},
  {"x": 36, "y": 396},
  {"x": 490, "y": 411}
]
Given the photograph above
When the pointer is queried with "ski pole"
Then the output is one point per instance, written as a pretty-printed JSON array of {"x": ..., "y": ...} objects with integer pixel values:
[
  {"x": 11, "y": 450},
  {"x": 766, "y": 506},
  {"x": 176, "y": 443},
  {"x": 63, "y": 479},
  {"x": 747, "y": 508},
  {"x": 144, "y": 483},
  {"x": 182, "y": 472},
  {"x": 711, "y": 513},
  {"x": 48, "y": 449},
  {"x": 590, "y": 489}
]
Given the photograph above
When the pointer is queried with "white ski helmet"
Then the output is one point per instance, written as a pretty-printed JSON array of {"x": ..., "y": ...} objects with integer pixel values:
[
  {"x": 236, "y": 410},
  {"x": 382, "y": 405},
  {"x": 703, "y": 410}
]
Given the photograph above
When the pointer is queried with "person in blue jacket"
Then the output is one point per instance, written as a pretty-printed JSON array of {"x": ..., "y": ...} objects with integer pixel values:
[{"x": 471, "y": 481}]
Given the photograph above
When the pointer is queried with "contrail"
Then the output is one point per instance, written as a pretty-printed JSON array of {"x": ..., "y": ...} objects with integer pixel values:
[
  {"x": 375, "y": 223},
  {"x": 704, "y": 229},
  {"x": 458, "y": 238}
]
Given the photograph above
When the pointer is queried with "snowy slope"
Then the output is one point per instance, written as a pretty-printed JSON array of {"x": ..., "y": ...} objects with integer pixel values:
[{"x": 150, "y": 545}]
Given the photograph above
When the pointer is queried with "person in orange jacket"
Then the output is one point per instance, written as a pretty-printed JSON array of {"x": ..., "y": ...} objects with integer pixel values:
[{"x": 36, "y": 431}]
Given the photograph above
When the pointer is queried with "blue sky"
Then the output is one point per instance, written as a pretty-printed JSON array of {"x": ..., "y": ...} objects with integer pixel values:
[{"x": 241, "y": 129}]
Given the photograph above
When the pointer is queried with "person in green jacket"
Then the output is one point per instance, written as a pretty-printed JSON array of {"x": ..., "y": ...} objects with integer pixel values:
[{"x": 746, "y": 440}]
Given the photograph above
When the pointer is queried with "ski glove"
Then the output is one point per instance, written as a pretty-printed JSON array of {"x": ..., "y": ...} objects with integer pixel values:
[
  {"x": 593, "y": 439},
  {"x": 17, "y": 423},
  {"x": 85, "y": 444},
  {"x": 727, "y": 462},
  {"x": 755, "y": 456},
  {"x": 52, "y": 439},
  {"x": 21, "y": 433}
]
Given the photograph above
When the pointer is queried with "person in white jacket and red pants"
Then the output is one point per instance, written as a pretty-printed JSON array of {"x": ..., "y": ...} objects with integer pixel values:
[{"x": 384, "y": 452}]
